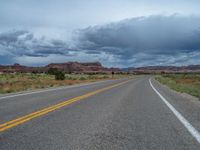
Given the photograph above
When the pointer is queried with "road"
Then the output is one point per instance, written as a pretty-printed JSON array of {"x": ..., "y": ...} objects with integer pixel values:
[{"x": 132, "y": 114}]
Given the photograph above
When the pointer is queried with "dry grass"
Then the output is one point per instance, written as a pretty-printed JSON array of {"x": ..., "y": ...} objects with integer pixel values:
[
  {"x": 187, "y": 83},
  {"x": 21, "y": 82}
]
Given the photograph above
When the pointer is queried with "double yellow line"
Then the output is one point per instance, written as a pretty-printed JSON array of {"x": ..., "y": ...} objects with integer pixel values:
[{"x": 20, "y": 120}]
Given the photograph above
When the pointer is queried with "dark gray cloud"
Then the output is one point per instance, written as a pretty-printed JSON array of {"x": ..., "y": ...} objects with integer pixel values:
[
  {"x": 19, "y": 42},
  {"x": 144, "y": 38},
  {"x": 21, "y": 46},
  {"x": 153, "y": 40},
  {"x": 152, "y": 33}
]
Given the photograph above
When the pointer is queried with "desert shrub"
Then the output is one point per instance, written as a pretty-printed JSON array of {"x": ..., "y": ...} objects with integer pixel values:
[
  {"x": 69, "y": 77},
  {"x": 105, "y": 77},
  {"x": 52, "y": 71},
  {"x": 60, "y": 75},
  {"x": 82, "y": 78}
]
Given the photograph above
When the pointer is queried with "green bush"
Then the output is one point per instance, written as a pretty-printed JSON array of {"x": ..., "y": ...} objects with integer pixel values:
[
  {"x": 82, "y": 78},
  {"x": 52, "y": 71},
  {"x": 60, "y": 75}
]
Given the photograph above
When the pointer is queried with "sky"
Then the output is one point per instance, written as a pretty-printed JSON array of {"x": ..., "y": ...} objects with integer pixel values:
[{"x": 118, "y": 33}]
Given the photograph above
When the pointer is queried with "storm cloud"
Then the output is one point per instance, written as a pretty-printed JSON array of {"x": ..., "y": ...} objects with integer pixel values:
[
  {"x": 21, "y": 43},
  {"x": 145, "y": 39},
  {"x": 141, "y": 41}
]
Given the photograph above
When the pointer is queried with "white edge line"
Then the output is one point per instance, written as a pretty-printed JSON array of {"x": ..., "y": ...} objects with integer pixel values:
[
  {"x": 186, "y": 123},
  {"x": 53, "y": 89}
]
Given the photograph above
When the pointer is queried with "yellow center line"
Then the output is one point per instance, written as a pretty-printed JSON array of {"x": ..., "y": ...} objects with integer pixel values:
[{"x": 20, "y": 120}]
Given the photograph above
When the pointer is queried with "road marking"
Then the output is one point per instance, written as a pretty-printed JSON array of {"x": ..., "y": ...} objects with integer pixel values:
[
  {"x": 186, "y": 123},
  {"x": 18, "y": 121},
  {"x": 48, "y": 90}
]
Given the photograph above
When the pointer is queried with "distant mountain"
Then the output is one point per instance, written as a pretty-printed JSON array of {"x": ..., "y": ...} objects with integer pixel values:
[
  {"x": 166, "y": 69},
  {"x": 68, "y": 67},
  {"x": 96, "y": 67}
]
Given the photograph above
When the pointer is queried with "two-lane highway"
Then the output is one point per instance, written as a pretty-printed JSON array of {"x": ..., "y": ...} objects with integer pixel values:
[{"x": 118, "y": 114}]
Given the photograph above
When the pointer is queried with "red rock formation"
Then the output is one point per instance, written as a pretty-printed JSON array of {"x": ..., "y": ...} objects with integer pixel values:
[{"x": 68, "y": 67}]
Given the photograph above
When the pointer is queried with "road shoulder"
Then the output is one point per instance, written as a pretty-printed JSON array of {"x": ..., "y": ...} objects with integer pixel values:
[{"x": 188, "y": 106}]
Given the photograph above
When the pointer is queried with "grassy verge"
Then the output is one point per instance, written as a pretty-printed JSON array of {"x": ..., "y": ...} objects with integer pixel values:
[
  {"x": 20, "y": 81},
  {"x": 184, "y": 83}
]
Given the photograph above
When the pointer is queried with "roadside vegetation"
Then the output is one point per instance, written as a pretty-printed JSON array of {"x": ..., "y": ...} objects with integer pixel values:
[
  {"x": 185, "y": 83},
  {"x": 29, "y": 81}
]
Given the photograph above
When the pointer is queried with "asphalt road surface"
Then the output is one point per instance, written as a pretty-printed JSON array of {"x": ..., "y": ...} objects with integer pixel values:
[{"x": 133, "y": 114}]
